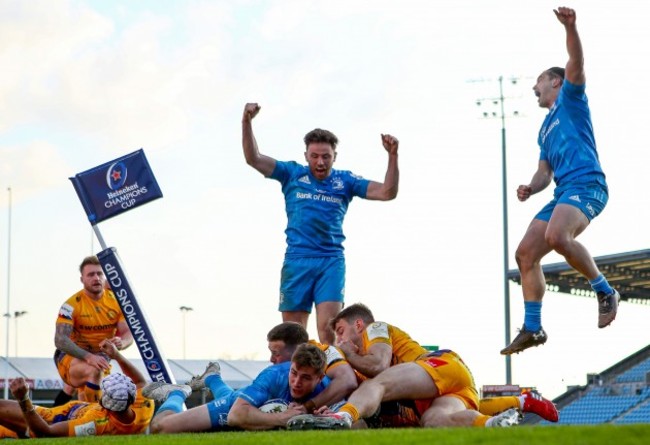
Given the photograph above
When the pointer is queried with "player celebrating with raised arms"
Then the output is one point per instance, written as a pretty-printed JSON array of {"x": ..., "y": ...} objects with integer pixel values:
[
  {"x": 317, "y": 198},
  {"x": 568, "y": 155}
]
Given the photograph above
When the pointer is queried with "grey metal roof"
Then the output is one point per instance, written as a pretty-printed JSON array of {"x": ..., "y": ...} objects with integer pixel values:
[{"x": 628, "y": 272}]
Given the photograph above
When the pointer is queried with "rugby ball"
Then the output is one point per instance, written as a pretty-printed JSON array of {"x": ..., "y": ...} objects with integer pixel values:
[{"x": 274, "y": 406}]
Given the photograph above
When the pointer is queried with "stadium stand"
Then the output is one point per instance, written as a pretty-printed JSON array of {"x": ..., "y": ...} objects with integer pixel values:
[
  {"x": 43, "y": 378},
  {"x": 620, "y": 395}
]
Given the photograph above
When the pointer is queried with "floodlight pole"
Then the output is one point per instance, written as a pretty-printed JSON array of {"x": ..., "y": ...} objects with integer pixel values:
[
  {"x": 7, "y": 315},
  {"x": 504, "y": 197}
]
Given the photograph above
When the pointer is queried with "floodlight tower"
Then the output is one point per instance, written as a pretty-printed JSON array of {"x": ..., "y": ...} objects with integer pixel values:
[
  {"x": 7, "y": 314},
  {"x": 498, "y": 112}
]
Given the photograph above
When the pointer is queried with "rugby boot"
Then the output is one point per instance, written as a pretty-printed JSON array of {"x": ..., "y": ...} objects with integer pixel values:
[
  {"x": 524, "y": 340},
  {"x": 333, "y": 421},
  {"x": 607, "y": 308},
  {"x": 505, "y": 419},
  {"x": 197, "y": 382},
  {"x": 159, "y": 391},
  {"x": 544, "y": 408}
]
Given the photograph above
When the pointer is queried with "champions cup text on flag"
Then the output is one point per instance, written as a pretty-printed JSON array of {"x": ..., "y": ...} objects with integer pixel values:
[
  {"x": 116, "y": 186},
  {"x": 106, "y": 191}
]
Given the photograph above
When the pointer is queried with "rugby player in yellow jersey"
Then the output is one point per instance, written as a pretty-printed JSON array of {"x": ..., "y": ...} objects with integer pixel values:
[
  {"x": 121, "y": 410},
  {"x": 372, "y": 347},
  {"x": 441, "y": 385},
  {"x": 87, "y": 318}
]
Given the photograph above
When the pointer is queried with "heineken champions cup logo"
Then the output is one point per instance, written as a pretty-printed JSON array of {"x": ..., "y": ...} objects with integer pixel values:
[
  {"x": 116, "y": 186},
  {"x": 116, "y": 176}
]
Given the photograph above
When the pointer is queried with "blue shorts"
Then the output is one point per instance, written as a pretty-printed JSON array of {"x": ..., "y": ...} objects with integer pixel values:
[
  {"x": 591, "y": 199},
  {"x": 311, "y": 281},
  {"x": 218, "y": 411}
]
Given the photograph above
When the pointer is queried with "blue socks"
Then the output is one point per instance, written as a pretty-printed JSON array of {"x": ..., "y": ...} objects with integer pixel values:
[
  {"x": 217, "y": 386},
  {"x": 174, "y": 402},
  {"x": 600, "y": 284},
  {"x": 533, "y": 309},
  {"x": 533, "y": 317}
]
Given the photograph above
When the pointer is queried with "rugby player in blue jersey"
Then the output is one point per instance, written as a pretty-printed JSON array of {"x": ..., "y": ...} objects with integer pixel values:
[
  {"x": 569, "y": 157},
  {"x": 316, "y": 200},
  {"x": 298, "y": 383}
]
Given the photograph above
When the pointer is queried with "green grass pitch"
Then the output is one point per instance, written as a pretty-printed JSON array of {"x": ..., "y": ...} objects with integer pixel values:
[{"x": 522, "y": 435}]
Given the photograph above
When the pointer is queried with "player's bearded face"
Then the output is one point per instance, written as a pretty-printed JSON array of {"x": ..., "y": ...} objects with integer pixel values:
[
  {"x": 302, "y": 381},
  {"x": 320, "y": 156},
  {"x": 93, "y": 279}
]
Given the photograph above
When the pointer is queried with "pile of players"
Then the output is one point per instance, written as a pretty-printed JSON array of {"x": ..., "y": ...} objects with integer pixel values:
[{"x": 402, "y": 385}]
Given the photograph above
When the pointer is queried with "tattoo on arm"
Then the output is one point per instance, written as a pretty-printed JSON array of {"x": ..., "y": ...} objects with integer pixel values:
[{"x": 63, "y": 341}]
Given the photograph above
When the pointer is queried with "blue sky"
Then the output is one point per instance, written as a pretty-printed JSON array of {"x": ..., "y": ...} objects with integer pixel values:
[{"x": 88, "y": 81}]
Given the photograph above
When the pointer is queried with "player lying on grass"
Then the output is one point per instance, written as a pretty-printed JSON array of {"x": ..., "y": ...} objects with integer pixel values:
[
  {"x": 371, "y": 347},
  {"x": 294, "y": 382},
  {"x": 283, "y": 340},
  {"x": 441, "y": 385},
  {"x": 121, "y": 409}
]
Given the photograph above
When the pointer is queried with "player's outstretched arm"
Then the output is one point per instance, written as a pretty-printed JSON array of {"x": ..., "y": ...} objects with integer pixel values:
[
  {"x": 262, "y": 163},
  {"x": 36, "y": 424},
  {"x": 246, "y": 416},
  {"x": 575, "y": 72},
  {"x": 388, "y": 189},
  {"x": 128, "y": 368}
]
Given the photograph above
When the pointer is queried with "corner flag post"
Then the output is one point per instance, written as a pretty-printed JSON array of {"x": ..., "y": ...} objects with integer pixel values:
[{"x": 106, "y": 191}]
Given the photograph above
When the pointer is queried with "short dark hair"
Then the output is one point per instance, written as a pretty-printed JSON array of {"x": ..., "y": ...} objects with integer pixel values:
[
  {"x": 320, "y": 135},
  {"x": 290, "y": 332},
  {"x": 556, "y": 71},
  {"x": 311, "y": 356},
  {"x": 89, "y": 260},
  {"x": 352, "y": 313}
]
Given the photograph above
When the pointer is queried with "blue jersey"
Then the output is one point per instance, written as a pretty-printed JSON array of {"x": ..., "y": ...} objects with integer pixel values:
[
  {"x": 273, "y": 383},
  {"x": 316, "y": 209},
  {"x": 567, "y": 142}
]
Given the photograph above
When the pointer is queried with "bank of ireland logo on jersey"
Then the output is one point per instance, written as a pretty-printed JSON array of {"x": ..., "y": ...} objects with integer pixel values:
[{"x": 116, "y": 186}]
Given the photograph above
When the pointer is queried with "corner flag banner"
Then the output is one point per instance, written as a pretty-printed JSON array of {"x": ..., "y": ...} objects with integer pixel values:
[
  {"x": 154, "y": 361},
  {"x": 116, "y": 186}
]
